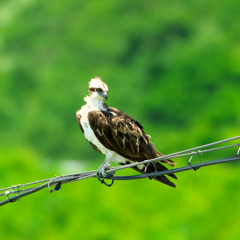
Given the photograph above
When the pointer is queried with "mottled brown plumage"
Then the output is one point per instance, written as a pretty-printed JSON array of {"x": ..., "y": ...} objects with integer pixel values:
[{"x": 122, "y": 134}]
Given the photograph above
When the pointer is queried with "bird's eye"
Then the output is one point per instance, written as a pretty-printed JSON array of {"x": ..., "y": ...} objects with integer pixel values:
[{"x": 99, "y": 90}]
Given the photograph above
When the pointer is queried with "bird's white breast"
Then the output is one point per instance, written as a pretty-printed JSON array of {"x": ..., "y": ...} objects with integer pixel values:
[
  {"x": 88, "y": 132},
  {"x": 90, "y": 136}
]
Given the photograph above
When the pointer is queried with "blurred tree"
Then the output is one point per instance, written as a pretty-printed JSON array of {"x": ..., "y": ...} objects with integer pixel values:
[{"x": 173, "y": 65}]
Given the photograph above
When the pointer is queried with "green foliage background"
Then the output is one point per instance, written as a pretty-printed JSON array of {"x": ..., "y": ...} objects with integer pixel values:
[{"x": 172, "y": 65}]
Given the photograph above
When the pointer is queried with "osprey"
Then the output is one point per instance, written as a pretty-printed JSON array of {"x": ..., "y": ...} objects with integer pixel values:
[{"x": 117, "y": 135}]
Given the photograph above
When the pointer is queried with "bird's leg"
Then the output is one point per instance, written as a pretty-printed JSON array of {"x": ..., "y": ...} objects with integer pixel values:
[
  {"x": 101, "y": 173},
  {"x": 102, "y": 169}
]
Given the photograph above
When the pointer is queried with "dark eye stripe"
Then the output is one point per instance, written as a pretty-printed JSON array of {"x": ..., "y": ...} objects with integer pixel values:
[
  {"x": 99, "y": 90},
  {"x": 95, "y": 90}
]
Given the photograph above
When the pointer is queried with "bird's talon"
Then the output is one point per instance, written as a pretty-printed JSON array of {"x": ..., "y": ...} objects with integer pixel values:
[{"x": 100, "y": 177}]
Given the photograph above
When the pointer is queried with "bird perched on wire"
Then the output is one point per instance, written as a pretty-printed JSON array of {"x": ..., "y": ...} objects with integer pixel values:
[{"x": 117, "y": 135}]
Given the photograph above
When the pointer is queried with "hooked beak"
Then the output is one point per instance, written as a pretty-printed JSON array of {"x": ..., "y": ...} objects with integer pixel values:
[{"x": 104, "y": 94}]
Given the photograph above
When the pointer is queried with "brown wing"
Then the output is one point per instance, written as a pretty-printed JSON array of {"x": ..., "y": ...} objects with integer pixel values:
[{"x": 119, "y": 132}]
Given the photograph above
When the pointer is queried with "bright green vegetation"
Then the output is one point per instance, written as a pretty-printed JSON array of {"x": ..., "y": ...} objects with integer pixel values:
[{"x": 172, "y": 65}]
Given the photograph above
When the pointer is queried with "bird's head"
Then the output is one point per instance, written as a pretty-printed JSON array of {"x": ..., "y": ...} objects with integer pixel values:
[{"x": 97, "y": 89}]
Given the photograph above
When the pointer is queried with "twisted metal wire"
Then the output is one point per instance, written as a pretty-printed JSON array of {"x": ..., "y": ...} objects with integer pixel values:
[{"x": 57, "y": 181}]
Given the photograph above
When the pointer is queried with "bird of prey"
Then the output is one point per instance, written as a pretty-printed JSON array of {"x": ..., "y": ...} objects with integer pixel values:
[{"x": 117, "y": 135}]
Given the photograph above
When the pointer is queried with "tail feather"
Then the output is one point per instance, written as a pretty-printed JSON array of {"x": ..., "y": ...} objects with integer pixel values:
[
  {"x": 169, "y": 162},
  {"x": 151, "y": 153},
  {"x": 159, "y": 167}
]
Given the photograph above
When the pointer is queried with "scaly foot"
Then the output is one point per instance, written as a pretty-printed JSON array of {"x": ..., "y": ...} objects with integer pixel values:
[{"x": 101, "y": 173}]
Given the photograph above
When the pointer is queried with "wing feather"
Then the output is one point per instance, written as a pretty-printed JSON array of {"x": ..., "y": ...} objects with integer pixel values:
[{"x": 121, "y": 133}]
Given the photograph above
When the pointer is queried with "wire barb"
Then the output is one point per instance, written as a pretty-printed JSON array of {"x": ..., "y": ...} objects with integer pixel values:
[
  {"x": 145, "y": 171},
  {"x": 24, "y": 189},
  {"x": 238, "y": 151},
  {"x": 57, "y": 187},
  {"x": 190, "y": 160},
  {"x": 6, "y": 194}
]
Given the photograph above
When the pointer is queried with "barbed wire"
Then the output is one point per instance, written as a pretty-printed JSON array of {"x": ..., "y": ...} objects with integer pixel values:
[{"x": 22, "y": 190}]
